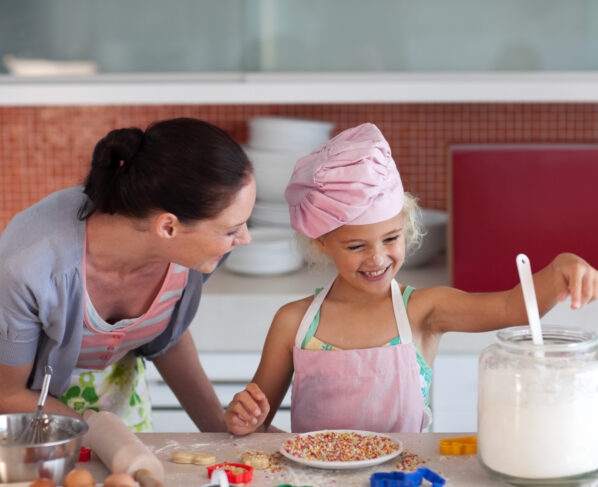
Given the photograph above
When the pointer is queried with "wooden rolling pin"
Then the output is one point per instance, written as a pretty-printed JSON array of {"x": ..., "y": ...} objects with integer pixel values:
[{"x": 121, "y": 450}]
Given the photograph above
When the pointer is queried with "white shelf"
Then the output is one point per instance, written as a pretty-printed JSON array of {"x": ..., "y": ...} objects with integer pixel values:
[{"x": 289, "y": 88}]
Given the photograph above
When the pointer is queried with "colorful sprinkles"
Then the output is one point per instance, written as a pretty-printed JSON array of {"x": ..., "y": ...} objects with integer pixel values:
[
  {"x": 408, "y": 462},
  {"x": 275, "y": 462},
  {"x": 331, "y": 446}
]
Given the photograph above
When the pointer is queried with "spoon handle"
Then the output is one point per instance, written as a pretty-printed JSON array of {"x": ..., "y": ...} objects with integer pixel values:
[{"x": 529, "y": 297}]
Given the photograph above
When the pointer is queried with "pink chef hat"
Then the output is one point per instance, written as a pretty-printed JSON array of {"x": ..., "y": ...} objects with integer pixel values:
[{"x": 350, "y": 180}]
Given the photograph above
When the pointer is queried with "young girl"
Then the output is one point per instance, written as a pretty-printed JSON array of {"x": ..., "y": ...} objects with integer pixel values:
[{"x": 361, "y": 349}]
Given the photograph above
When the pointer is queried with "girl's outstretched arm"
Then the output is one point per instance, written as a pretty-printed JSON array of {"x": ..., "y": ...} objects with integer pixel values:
[
  {"x": 255, "y": 406},
  {"x": 449, "y": 309}
]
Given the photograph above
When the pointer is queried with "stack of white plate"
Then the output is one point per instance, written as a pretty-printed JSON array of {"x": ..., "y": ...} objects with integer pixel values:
[
  {"x": 270, "y": 215},
  {"x": 271, "y": 251},
  {"x": 275, "y": 144},
  {"x": 272, "y": 171},
  {"x": 283, "y": 134}
]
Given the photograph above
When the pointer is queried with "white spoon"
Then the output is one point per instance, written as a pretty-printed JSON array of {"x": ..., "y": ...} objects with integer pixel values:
[{"x": 529, "y": 297}]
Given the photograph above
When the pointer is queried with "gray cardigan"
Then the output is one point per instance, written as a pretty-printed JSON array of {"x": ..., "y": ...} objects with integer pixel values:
[{"x": 42, "y": 291}]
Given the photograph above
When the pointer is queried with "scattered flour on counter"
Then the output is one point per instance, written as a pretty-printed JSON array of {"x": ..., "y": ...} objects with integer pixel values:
[{"x": 170, "y": 445}]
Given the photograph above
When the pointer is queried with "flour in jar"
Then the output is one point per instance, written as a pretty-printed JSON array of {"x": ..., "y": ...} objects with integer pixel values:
[{"x": 539, "y": 423}]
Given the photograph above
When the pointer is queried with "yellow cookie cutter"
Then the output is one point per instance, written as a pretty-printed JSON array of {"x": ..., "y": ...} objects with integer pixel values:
[{"x": 467, "y": 445}]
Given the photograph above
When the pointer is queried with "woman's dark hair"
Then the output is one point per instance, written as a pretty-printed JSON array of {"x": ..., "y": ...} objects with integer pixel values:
[{"x": 185, "y": 166}]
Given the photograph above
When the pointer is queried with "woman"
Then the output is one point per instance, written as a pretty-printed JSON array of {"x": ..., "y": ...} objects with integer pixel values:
[{"x": 97, "y": 277}]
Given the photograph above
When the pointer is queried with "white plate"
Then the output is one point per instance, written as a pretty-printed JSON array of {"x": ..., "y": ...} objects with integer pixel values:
[
  {"x": 271, "y": 251},
  {"x": 344, "y": 465},
  {"x": 271, "y": 214},
  {"x": 288, "y": 134},
  {"x": 272, "y": 171}
]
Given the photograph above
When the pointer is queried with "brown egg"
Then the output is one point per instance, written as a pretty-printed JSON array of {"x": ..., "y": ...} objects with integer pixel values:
[
  {"x": 79, "y": 477},
  {"x": 120, "y": 480},
  {"x": 42, "y": 483}
]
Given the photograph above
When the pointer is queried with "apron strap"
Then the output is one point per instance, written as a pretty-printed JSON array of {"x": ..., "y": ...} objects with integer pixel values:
[
  {"x": 400, "y": 313},
  {"x": 397, "y": 303},
  {"x": 309, "y": 315}
]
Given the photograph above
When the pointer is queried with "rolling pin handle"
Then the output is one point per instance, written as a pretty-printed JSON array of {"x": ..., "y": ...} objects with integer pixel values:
[{"x": 146, "y": 479}]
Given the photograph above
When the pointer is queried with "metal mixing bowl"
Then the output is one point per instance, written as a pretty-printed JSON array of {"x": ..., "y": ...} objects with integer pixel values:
[{"x": 52, "y": 459}]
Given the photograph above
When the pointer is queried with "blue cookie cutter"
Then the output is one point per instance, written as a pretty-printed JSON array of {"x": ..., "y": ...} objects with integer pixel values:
[{"x": 402, "y": 479}]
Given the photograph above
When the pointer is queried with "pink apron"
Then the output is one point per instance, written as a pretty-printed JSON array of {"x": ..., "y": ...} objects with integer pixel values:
[{"x": 373, "y": 389}]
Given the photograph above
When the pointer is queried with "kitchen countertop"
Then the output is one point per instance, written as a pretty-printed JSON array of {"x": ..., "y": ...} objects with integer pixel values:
[{"x": 461, "y": 471}]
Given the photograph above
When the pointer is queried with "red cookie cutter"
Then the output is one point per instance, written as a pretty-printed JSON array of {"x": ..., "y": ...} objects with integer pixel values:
[
  {"x": 236, "y": 473},
  {"x": 84, "y": 454}
]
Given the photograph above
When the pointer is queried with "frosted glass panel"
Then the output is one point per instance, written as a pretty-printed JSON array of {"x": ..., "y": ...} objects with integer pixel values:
[
  {"x": 127, "y": 35},
  {"x": 123, "y": 36},
  {"x": 433, "y": 35}
]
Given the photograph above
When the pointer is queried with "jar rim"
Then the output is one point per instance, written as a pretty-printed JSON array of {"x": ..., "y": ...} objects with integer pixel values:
[{"x": 556, "y": 339}]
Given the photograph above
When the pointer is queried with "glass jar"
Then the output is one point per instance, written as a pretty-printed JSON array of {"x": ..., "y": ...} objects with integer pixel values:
[{"x": 538, "y": 406}]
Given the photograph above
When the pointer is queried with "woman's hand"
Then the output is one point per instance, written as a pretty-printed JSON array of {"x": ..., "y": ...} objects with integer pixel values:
[
  {"x": 577, "y": 278},
  {"x": 247, "y": 411}
]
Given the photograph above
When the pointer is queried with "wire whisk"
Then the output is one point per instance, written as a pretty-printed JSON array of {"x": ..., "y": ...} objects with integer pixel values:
[{"x": 33, "y": 433}]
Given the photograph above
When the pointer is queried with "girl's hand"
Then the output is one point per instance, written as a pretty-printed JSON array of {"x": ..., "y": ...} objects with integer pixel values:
[
  {"x": 247, "y": 411},
  {"x": 576, "y": 278}
]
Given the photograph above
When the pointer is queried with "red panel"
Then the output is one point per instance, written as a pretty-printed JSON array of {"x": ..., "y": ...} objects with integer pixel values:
[{"x": 538, "y": 200}]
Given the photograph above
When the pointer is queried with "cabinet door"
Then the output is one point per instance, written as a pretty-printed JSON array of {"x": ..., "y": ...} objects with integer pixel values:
[
  {"x": 454, "y": 393},
  {"x": 229, "y": 373}
]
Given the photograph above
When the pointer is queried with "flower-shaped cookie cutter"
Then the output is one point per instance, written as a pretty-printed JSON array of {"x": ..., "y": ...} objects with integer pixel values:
[
  {"x": 466, "y": 445},
  {"x": 402, "y": 479},
  {"x": 236, "y": 473}
]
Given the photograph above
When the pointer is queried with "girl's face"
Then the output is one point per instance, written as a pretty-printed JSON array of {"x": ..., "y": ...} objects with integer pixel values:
[
  {"x": 201, "y": 245},
  {"x": 367, "y": 256}
]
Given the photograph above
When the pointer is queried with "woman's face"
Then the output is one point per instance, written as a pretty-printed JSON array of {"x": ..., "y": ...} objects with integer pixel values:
[
  {"x": 201, "y": 245},
  {"x": 367, "y": 256}
]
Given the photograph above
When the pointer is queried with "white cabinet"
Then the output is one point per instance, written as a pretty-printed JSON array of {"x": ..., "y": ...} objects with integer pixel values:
[
  {"x": 229, "y": 373},
  {"x": 454, "y": 393}
]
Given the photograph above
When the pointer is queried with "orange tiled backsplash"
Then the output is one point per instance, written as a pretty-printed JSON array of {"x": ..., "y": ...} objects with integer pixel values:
[{"x": 43, "y": 149}]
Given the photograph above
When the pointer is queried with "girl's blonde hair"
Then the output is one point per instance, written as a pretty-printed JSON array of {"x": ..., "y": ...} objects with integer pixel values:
[{"x": 413, "y": 236}]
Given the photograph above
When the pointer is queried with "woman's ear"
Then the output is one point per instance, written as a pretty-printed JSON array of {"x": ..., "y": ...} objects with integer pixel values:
[{"x": 166, "y": 225}]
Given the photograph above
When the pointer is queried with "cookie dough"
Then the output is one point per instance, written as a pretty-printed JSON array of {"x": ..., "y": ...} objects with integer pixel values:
[
  {"x": 203, "y": 458},
  {"x": 182, "y": 456},
  {"x": 256, "y": 459}
]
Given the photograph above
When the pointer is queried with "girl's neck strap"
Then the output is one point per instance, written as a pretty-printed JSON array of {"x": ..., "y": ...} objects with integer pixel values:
[{"x": 400, "y": 313}]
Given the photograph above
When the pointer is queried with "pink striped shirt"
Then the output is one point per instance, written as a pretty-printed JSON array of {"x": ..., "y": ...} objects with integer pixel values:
[{"x": 104, "y": 344}]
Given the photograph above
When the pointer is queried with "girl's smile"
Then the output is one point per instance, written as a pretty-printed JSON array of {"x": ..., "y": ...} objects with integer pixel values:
[{"x": 377, "y": 274}]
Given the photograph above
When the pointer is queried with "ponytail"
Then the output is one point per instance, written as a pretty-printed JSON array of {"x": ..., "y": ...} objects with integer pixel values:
[{"x": 184, "y": 166}]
